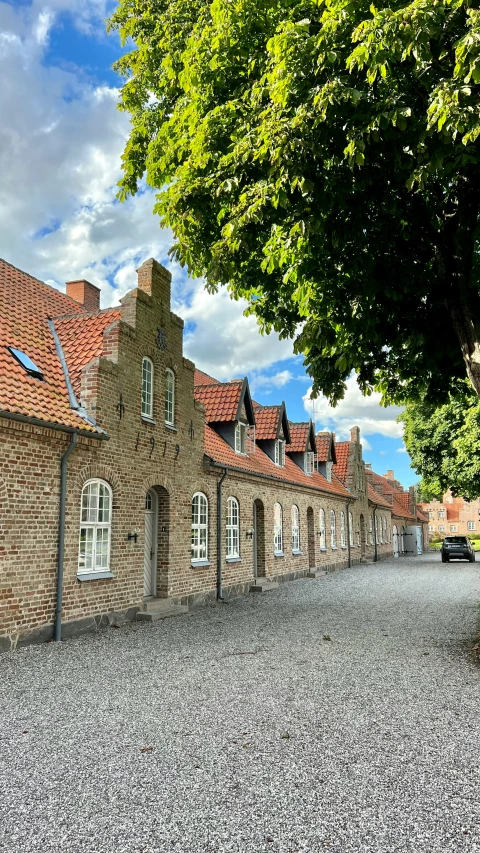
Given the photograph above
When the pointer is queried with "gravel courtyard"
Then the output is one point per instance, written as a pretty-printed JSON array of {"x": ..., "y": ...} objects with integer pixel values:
[{"x": 340, "y": 714}]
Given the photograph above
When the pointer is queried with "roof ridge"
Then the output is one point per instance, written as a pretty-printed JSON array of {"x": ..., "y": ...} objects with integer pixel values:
[
  {"x": 40, "y": 281},
  {"x": 87, "y": 314}
]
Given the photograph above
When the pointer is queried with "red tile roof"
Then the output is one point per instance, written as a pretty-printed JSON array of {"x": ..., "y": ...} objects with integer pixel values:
[
  {"x": 342, "y": 450},
  {"x": 220, "y": 400},
  {"x": 399, "y": 510},
  {"x": 202, "y": 378},
  {"x": 266, "y": 421},
  {"x": 82, "y": 340},
  {"x": 298, "y": 437},
  {"x": 26, "y": 304},
  {"x": 325, "y": 446},
  {"x": 259, "y": 463},
  {"x": 376, "y": 498}
]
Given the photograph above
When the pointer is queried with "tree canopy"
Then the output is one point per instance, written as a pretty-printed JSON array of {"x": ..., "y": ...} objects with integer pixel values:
[
  {"x": 443, "y": 443},
  {"x": 321, "y": 158}
]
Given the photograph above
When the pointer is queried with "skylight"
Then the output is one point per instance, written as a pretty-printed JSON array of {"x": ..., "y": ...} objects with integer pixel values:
[{"x": 28, "y": 365}]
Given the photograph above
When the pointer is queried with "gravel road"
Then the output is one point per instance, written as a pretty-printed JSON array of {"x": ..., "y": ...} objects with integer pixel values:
[{"x": 330, "y": 715}]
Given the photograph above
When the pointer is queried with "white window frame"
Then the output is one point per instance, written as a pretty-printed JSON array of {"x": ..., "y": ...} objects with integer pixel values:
[
  {"x": 147, "y": 388},
  {"x": 333, "y": 530},
  {"x": 309, "y": 462},
  {"x": 280, "y": 453},
  {"x": 278, "y": 530},
  {"x": 241, "y": 438},
  {"x": 295, "y": 529},
  {"x": 233, "y": 528},
  {"x": 441, "y": 528},
  {"x": 377, "y": 535},
  {"x": 370, "y": 530},
  {"x": 343, "y": 540},
  {"x": 90, "y": 521},
  {"x": 453, "y": 528},
  {"x": 350, "y": 529},
  {"x": 199, "y": 528},
  {"x": 441, "y": 513},
  {"x": 322, "y": 530},
  {"x": 431, "y": 528},
  {"x": 470, "y": 525},
  {"x": 169, "y": 397}
]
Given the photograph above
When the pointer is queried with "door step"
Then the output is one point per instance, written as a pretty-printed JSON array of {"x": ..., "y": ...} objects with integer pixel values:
[
  {"x": 159, "y": 608},
  {"x": 316, "y": 573},
  {"x": 263, "y": 585}
]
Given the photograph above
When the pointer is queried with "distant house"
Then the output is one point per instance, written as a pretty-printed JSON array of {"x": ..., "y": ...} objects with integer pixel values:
[{"x": 452, "y": 515}]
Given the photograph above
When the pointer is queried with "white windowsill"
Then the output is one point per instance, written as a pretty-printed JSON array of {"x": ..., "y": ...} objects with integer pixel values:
[
  {"x": 297, "y": 551},
  {"x": 236, "y": 559},
  {"x": 148, "y": 420},
  {"x": 171, "y": 426},
  {"x": 279, "y": 554},
  {"x": 344, "y": 547},
  {"x": 323, "y": 548},
  {"x": 196, "y": 563},
  {"x": 334, "y": 548},
  {"x": 94, "y": 576}
]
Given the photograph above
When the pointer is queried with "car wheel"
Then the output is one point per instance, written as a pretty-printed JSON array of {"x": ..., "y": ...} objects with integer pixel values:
[
  {"x": 472, "y": 558},
  {"x": 444, "y": 559}
]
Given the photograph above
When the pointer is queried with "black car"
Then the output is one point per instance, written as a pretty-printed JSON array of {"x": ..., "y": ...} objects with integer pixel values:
[{"x": 457, "y": 547}]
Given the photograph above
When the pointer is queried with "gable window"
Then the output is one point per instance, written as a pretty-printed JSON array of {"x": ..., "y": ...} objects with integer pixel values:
[
  {"x": 343, "y": 541},
  {"x": 147, "y": 388},
  {"x": 295, "y": 530},
  {"x": 333, "y": 529},
  {"x": 95, "y": 527},
  {"x": 280, "y": 453},
  {"x": 199, "y": 527},
  {"x": 169, "y": 397},
  {"x": 350, "y": 531},
  {"x": 278, "y": 530},
  {"x": 309, "y": 462},
  {"x": 241, "y": 438},
  {"x": 322, "y": 533},
  {"x": 232, "y": 528}
]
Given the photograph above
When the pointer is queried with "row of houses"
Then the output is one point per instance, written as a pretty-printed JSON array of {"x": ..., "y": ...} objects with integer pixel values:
[
  {"x": 132, "y": 484},
  {"x": 452, "y": 515}
]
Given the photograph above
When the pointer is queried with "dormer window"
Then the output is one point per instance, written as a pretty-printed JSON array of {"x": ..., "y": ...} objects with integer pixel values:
[
  {"x": 280, "y": 453},
  {"x": 308, "y": 463},
  {"x": 241, "y": 438}
]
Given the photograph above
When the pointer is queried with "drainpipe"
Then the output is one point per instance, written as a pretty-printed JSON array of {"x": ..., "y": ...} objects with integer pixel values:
[
  {"x": 349, "y": 533},
  {"x": 61, "y": 536},
  {"x": 219, "y": 536},
  {"x": 375, "y": 558}
]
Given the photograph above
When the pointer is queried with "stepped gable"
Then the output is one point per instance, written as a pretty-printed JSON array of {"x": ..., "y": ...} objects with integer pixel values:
[
  {"x": 217, "y": 449},
  {"x": 82, "y": 340},
  {"x": 26, "y": 305}
]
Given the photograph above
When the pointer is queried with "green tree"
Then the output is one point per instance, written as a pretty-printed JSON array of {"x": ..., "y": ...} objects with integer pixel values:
[
  {"x": 443, "y": 443},
  {"x": 320, "y": 158}
]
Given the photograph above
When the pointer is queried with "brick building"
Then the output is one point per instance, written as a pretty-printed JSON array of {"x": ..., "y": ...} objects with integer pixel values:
[
  {"x": 452, "y": 515},
  {"x": 132, "y": 485}
]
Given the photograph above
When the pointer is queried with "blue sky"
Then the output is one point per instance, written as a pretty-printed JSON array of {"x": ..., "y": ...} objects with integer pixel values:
[{"x": 59, "y": 219}]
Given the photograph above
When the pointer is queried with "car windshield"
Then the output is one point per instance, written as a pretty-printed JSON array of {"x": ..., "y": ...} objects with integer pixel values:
[{"x": 455, "y": 540}]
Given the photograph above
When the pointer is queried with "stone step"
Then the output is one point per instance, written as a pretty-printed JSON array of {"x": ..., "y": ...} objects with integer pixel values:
[
  {"x": 263, "y": 585},
  {"x": 156, "y": 609},
  {"x": 317, "y": 573}
]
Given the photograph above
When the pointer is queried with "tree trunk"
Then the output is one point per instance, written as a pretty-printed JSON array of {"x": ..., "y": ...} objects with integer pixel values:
[{"x": 461, "y": 293}]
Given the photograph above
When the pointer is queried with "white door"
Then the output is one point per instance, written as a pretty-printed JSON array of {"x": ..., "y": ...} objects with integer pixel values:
[{"x": 150, "y": 556}]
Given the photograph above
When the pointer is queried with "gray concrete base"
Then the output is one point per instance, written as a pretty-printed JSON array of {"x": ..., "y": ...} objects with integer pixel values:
[
  {"x": 316, "y": 573},
  {"x": 75, "y": 628},
  {"x": 159, "y": 608},
  {"x": 263, "y": 585}
]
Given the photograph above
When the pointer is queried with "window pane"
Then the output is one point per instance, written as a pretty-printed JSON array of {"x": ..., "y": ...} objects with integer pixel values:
[
  {"x": 147, "y": 378},
  {"x": 85, "y": 557}
]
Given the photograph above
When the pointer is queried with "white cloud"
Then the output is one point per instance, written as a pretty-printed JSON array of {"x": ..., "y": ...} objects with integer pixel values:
[
  {"x": 278, "y": 380},
  {"x": 60, "y": 161},
  {"x": 355, "y": 410},
  {"x": 402, "y": 449},
  {"x": 365, "y": 443}
]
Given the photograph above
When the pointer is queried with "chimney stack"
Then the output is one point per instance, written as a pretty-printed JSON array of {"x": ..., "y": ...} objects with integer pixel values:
[
  {"x": 389, "y": 476},
  {"x": 355, "y": 434},
  {"x": 84, "y": 293}
]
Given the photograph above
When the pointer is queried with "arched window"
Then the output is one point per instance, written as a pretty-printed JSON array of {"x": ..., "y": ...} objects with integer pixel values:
[
  {"x": 323, "y": 535},
  {"x": 343, "y": 541},
  {"x": 385, "y": 530},
  {"x": 199, "y": 527},
  {"x": 333, "y": 529},
  {"x": 95, "y": 527},
  {"x": 147, "y": 388},
  {"x": 295, "y": 529},
  {"x": 370, "y": 530},
  {"x": 278, "y": 529},
  {"x": 233, "y": 536},
  {"x": 376, "y": 531},
  {"x": 350, "y": 529},
  {"x": 169, "y": 397}
]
